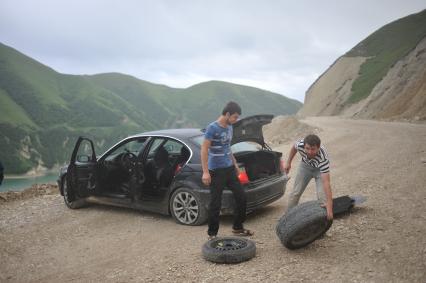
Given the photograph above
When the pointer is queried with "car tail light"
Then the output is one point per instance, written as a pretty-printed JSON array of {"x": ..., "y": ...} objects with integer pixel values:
[{"x": 243, "y": 177}]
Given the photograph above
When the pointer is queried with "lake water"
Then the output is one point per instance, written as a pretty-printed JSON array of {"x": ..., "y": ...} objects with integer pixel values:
[{"x": 19, "y": 184}]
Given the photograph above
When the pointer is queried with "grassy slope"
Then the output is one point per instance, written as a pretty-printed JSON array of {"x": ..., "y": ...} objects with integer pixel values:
[
  {"x": 44, "y": 112},
  {"x": 386, "y": 46},
  {"x": 144, "y": 97},
  {"x": 215, "y": 94},
  {"x": 12, "y": 113}
]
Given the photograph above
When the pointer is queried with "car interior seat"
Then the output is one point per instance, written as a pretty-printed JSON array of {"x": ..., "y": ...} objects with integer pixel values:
[
  {"x": 159, "y": 170},
  {"x": 182, "y": 158}
]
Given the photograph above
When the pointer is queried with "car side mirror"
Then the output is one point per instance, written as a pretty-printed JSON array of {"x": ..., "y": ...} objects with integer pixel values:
[{"x": 83, "y": 158}]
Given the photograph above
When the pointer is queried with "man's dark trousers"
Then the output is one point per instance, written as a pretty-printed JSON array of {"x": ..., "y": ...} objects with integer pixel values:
[{"x": 221, "y": 178}]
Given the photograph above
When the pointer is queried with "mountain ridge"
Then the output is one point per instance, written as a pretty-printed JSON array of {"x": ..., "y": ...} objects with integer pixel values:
[{"x": 44, "y": 111}]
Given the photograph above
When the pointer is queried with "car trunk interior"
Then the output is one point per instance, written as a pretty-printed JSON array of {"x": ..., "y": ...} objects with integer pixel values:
[{"x": 259, "y": 164}]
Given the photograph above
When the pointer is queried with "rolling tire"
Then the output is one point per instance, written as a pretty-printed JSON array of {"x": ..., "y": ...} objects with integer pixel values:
[
  {"x": 229, "y": 250},
  {"x": 302, "y": 225},
  {"x": 70, "y": 199},
  {"x": 186, "y": 208}
]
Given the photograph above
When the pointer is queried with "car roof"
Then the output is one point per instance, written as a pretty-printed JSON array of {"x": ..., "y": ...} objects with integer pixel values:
[{"x": 177, "y": 133}]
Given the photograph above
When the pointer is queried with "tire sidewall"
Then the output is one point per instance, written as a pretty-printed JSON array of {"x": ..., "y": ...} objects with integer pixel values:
[
  {"x": 298, "y": 219},
  {"x": 212, "y": 254},
  {"x": 70, "y": 199}
]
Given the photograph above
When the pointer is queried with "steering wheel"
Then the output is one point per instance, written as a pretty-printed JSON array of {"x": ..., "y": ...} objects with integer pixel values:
[{"x": 128, "y": 161}]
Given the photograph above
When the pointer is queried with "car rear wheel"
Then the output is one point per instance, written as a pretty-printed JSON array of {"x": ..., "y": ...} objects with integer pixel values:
[
  {"x": 70, "y": 199},
  {"x": 186, "y": 208}
]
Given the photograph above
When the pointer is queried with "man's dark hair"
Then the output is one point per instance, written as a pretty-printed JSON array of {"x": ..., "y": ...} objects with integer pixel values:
[
  {"x": 231, "y": 107},
  {"x": 312, "y": 140}
]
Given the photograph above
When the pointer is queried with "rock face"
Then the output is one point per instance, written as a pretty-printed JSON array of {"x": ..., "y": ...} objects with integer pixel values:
[
  {"x": 400, "y": 95},
  {"x": 329, "y": 93},
  {"x": 383, "y": 77},
  {"x": 402, "y": 92}
]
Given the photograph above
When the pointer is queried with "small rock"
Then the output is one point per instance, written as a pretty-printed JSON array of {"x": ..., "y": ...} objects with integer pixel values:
[{"x": 379, "y": 250}]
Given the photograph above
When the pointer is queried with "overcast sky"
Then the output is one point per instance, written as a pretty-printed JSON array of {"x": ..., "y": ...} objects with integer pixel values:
[{"x": 281, "y": 46}]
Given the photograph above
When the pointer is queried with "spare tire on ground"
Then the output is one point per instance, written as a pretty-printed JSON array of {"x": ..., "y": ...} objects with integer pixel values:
[
  {"x": 229, "y": 250},
  {"x": 302, "y": 225}
]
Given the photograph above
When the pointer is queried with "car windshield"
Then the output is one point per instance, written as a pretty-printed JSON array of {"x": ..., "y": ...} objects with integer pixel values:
[{"x": 238, "y": 147}]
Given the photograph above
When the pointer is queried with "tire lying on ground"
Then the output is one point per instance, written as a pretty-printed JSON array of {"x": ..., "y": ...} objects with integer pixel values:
[
  {"x": 302, "y": 225},
  {"x": 229, "y": 250}
]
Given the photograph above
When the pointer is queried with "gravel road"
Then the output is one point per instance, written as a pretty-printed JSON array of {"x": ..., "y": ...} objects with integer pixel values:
[{"x": 384, "y": 240}]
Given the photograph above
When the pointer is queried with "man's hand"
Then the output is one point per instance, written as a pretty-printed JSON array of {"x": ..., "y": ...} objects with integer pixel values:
[
  {"x": 287, "y": 167},
  {"x": 237, "y": 170},
  {"x": 207, "y": 179},
  {"x": 234, "y": 161},
  {"x": 329, "y": 208}
]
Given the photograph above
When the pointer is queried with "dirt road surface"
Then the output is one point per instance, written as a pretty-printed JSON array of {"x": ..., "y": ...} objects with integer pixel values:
[{"x": 43, "y": 241}]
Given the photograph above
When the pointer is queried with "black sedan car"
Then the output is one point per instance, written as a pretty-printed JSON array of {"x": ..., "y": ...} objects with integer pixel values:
[{"x": 160, "y": 171}]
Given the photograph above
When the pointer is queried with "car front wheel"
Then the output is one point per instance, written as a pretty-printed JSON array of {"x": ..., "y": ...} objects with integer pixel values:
[
  {"x": 186, "y": 208},
  {"x": 70, "y": 199}
]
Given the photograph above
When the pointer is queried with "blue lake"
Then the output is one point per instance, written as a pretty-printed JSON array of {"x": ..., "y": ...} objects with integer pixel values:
[{"x": 19, "y": 184}]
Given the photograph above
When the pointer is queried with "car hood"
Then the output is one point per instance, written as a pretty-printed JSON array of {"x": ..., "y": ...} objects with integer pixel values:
[{"x": 250, "y": 129}]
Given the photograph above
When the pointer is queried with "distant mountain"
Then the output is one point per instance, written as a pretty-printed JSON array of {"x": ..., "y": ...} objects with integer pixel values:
[
  {"x": 42, "y": 112},
  {"x": 382, "y": 77}
]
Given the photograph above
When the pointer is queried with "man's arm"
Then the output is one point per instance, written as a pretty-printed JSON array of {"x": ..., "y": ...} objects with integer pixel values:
[
  {"x": 204, "y": 162},
  {"x": 291, "y": 155},
  {"x": 325, "y": 177}
]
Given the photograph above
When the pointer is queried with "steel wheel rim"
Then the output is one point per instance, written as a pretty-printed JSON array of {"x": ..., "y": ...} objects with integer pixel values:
[
  {"x": 185, "y": 208},
  {"x": 229, "y": 244}
]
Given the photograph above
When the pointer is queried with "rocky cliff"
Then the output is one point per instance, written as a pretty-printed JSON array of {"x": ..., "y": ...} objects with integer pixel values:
[{"x": 383, "y": 77}]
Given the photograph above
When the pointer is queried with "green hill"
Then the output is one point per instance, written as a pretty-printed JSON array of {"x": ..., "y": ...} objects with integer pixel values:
[{"x": 42, "y": 112}]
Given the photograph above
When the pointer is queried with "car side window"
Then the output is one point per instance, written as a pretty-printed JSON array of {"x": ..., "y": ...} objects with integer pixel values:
[
  {"x": 154, "y": 146},
  {"x": 173, "y": 147},
  {"x": 85, "y": 152}
]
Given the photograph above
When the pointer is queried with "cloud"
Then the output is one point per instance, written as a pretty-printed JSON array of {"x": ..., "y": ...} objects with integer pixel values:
[{"x": 280, "y": 46}]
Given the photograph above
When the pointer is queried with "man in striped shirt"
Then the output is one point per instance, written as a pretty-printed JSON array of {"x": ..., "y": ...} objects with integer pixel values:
[{"x": 315, "y": 164}]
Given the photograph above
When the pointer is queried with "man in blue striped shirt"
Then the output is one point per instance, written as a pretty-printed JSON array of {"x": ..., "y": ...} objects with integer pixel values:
[
  {"x": 315, "y": 164},
  {"x": 220, "y": 170}
]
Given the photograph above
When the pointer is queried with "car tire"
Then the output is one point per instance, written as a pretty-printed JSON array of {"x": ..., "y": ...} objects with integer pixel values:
[
  {"x": 302, "y": 225},
  {"x": 71, "y": 200},
  {"x": 186, "y": 208},
  {"x": 229, "y": 250}
]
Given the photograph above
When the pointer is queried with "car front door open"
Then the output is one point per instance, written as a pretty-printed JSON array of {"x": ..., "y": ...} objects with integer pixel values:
[{"x": 82, "y": 170}]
